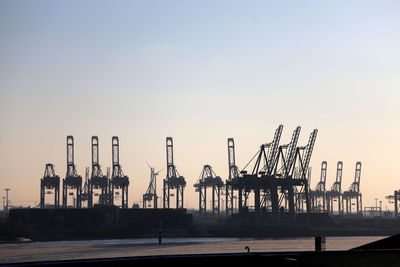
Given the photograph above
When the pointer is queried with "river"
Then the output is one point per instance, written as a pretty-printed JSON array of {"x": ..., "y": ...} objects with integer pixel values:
[{"x": 86, "y": 249}]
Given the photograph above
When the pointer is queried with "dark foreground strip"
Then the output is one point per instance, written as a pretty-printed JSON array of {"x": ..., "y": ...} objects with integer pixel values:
[{"x": 325, "y": 258}]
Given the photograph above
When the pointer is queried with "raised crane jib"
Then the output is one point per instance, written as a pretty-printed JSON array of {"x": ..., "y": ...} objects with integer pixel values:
[
  {"x": 207, "y": 172},
  {"x": 115, "y": 150},
  {"x": 273, "y": 150},
  {"x": 171, "y": 169},
  {"x": 337, "y": 186},
  {"x": 96, "y": 170},
  {"x": 116, "y": 167},
  {"x": 321, "y": 184},
  {"x": 308, "y": 152},
  {"x": 71, "y": 170},
  {"x": 355, "y": 187},
  {"x": 291, "y": 150},
  {"x": 233, "y": 169}
]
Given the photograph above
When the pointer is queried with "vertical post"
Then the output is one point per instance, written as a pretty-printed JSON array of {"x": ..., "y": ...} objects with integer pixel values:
[
  {"x": 160, "y": 233},
  {"x": 177, "y": 197},
  {"x": 200, "y": 197},
  {"x": 226, "y": 199},
  {"x": 205, "y": 199},
  {"x": 257, "y": 198},
  {"x": 274, "y": 201},
  {"x": 41, "y": 194},
  {"x": 164, "y": 193},
  {"x": 306, "y": 195},
  {"x": 219, "y": 199},
  {"x": 7, "y": 189},
  {"x": 240, "y": 196},
  {"x": 126, "y": 204},
  {"x": 213, "y": 200}
]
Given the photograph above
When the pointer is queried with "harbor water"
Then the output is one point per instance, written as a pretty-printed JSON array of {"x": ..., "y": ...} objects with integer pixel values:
[{"x": 88, "y": 249}]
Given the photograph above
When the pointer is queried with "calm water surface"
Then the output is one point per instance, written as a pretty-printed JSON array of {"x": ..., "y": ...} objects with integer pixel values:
[{"x": 60, "y": 250}]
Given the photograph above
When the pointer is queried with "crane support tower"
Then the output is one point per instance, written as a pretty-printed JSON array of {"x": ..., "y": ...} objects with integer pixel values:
[
  {"x": 396, "y": 196},
  {"x": 172, "y": 180},
  {"x": 335, "y": 193},
  {"x": 354, "y": 193},
  {"x": 395, "y": 199},
  {"x": 208, "y": 179},
  {"x": 72, "y": 180},
  {"x": 259, "y": 181},
  {"x": 50, "y": 184},
  {"x": 151, "y": 192},
  {"x": 119, "y": 181},
  {"x": 318, "y": 196},
  {"x": 273, "y": 178},
  {"x": 233, "y": 176},
  {"x": 300, "y": 175},
  {"x": 85, "y": 189},
  {"x": 98, "y": 182}
]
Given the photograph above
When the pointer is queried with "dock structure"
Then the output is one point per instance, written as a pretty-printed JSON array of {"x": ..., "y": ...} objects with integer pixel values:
[
  {"x": 72, "y": 180},
  {"x": 396, "y": 201},
  {"x": 353, "y": 195},
  {"x": 335, "y": 193},
  {"x": 318, "y": 195},
  {"x": 172, "y": 180},
  {"x": 275, "y": 183},
  {"x": 50, "y": 184},
  {"x": 233, "y": 176},
  {"x": 208, "y": 179},
  {"x": 272, "y": 178},
  {"x": 107, "y": 188},
  {"x": 98, "y": 183},
  {"x": 119, "y": 181}
]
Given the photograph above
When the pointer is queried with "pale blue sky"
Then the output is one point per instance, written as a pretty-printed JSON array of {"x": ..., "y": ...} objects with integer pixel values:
[{"x": 199, "y": 71}]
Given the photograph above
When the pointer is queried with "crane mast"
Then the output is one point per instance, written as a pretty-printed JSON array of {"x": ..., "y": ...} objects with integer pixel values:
[
  {"x": 119, "y": 181},
  {"x": 233, "y": 176},
  {"x": 354, "y": 194},
  {"x": 51, "y": 182},
  {"x": 335, "y": 193},
  {"x": 97, "y": 181},
  {"x": 307, "y": 153},
  {"x": 319, "y": 194},
  {"x": 172, "y": 180},
  {"x": 337, "y": 186},
  {"x": 233, "y": 169},
  {"x": 72, "y": 180},
  {"x": 321, "y": 184},
  {"x": 274, "y": 148},
  {"x": 208, "y": 179}
]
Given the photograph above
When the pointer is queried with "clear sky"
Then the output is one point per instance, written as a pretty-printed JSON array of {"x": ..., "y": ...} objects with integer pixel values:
[{"x": 199, "y": 71}]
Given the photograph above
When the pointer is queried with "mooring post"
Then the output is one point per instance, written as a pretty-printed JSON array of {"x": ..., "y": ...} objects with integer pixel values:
[
  {"x": 160, "y": 233},
  {"x": 319, "y": 243}
]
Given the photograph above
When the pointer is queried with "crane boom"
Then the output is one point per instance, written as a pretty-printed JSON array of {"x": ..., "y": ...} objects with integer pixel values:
[
  {"x": 171, "y": 169},
  {"x": 355, "y": 187},
  {"x": 273, "y": 151},
  {"x": 321, "y": 184},
  {"x": 291, "y": 150},
  {"x": 308, "y": 151},
  {"x": 233, "y": 169},
  {"x": 337, "y": 186}
]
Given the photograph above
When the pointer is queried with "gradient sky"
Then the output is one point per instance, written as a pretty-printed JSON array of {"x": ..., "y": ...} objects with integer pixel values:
[{"x": 199, "y": 71}]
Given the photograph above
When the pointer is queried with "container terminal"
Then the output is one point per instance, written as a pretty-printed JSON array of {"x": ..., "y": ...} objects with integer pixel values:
[{"x": 270, "y": 197}]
